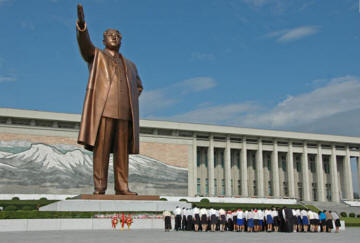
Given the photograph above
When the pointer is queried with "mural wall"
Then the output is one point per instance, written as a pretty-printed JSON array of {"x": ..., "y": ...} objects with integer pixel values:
[{"x": 33, "y": 167}]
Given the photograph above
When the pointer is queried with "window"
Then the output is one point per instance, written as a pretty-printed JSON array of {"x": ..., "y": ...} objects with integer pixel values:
[
  {"x": 326, "y": 166},
  {"x": 270, "y": 189},
  {"x": 328, "y": 192},
  {"x": 198, "y": 186},
  {"x": 222, "y": 159},
  {"x": 215, "y": 185},
  {"x": 255, "y": 188},
  {"x": 314, "y": 191},
  {"x": 286, "y": 188},
  {"x": 222, "y": 187},
  {"x": 298, "y": 166},
  {"x": 207, "y": 186},
  {"x": 312, "y": 166},
  {"x": 239, "y": 187},
  {"x": 283, "y": 165}
]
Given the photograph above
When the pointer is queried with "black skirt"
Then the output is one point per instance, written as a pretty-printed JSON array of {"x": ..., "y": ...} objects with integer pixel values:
[
  {"x": 204, "y": 219},
  {"x": 337, "y": 223},
  {"x": 197, "y": 219},
  {"x": 167, "y": 222},
  {"x": 276, "y": 221},
  {"x": 329, "y": 224},
  {"x": 222, "y": 219},
  {"x": 213, "y": 219}
]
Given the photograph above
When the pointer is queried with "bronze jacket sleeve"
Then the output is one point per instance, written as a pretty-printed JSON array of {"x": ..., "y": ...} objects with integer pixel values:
[{"x": 87, "y": 49}]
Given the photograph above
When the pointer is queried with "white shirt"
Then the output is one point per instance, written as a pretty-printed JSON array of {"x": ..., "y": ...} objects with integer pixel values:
[
  {"x": 240, "y": 214},
  {"x": 196, "y": 210},
  {"x": 303, "y": 213},
  {"x": 222, "y": 212},
  {"x": 246, "y": 213},
  {"x": 212, "y": 211},
  {"x": 251, "y": 215},
  {"x": 311, "y": 215},
  {"x": 203, "y": 211},
  {"x": 261, "y": 214},
  {"x": 275, "y": 213},
  {"x": 177, "y": 211}
]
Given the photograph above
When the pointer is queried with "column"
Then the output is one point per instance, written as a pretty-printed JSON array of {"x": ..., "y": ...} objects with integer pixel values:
[
  {"x": 320, "y": 175},
  {"x": 349, "y": 192},
  {"x": 211, "y": 166},
  {"x": 228, "y": 168},
  {"x": 275, "y": 170},
  {"x": 192, "y": 172},
  {"x": 334, "y": 176},
  {"x": 290, "y": 170},
  {"x": 259, "y": 170},
  {"x": 243, "y": 165},
  {"x": 305, "y": 173}
]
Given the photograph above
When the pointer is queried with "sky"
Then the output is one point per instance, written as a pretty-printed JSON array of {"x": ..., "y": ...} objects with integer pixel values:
[{"x": 272, "y": 64}]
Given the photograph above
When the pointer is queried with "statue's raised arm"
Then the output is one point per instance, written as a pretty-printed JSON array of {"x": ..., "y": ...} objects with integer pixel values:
[{"x": 87, "y": 49}]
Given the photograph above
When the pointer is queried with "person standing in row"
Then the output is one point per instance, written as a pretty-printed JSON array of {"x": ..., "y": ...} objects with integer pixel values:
[
  {"x": 167, "y": 220},
  {"x": 212, "y": 213},
  {"x": 275, "y": 215},
  {"x": 322, "y": 218},
  {"x": 204, "y": 219},
  {"x": 329, "y": 223},
  {"x": 177, "y": 213},
  {"x": 196, "y": 217},
  {"x": 183, "y": 222},
  {"x": 269, "y": 220},
  {"x": 337, "y": 221},
  {"x": 305, "y": 220},
  {"x": 250, "y": 220}
]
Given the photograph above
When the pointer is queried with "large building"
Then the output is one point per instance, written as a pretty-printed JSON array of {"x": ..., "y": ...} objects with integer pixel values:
[{"x": 218, "y": 160}]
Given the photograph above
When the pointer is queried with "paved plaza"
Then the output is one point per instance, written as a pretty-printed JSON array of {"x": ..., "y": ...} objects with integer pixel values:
[{"x": 156, "y": 236}]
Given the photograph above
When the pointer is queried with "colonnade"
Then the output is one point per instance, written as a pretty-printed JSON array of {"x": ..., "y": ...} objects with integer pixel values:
[{"x": 314, "y": 181}]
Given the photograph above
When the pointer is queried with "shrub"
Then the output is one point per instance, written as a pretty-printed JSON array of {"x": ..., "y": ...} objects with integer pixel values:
[
  {"x": 10, "y": 208},
  {"x": 163, "y": 199},
  {"x": 343, "y": 214},
  {"x": 352, "y": 215},
  {"x": 43, "y": 199},
  {"x": 205, "y": 200},
  {"x": 15, "y": 198},
  {"x": 27, "y": 208},
  {"x": 358, "y": 216},
  {"x": 183, "y": 200}
]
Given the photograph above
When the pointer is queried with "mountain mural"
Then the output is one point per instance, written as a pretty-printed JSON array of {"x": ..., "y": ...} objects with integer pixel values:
[{"x": 67, "y": 169}]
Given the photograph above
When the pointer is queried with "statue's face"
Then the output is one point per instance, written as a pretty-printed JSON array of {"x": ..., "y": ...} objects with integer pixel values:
[{"x": 112, "y": 40}]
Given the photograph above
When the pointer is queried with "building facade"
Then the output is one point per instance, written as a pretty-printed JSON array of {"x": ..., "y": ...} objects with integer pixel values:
[{"x": 220, "y": 160}]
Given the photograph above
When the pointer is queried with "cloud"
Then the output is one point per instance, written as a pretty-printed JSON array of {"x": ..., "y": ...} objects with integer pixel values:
[
  {"x": 155, "y": 100},
  {"x": 202, "y": 56},
  {"x": 6, "y": 79},
  {"x": 331, "y": 108},
  {"x": 195, "y": 85},
  {"x": 338, "y": 95},
  {"x": 288, "y": 35},
  {"x": 215, "y": 114}
]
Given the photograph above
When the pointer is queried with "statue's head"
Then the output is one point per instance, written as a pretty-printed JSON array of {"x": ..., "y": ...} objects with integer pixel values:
[{"x": 112, "y": 39}]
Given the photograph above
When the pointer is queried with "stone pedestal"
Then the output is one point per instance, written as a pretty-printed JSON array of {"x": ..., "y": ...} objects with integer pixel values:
[{"x": 117, "y": 197}]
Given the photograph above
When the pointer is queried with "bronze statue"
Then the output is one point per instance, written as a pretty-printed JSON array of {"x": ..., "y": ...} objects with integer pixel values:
[{"x": 110, "y": 117}]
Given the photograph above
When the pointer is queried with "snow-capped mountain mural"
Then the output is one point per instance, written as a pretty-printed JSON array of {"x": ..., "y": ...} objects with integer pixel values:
[{"x": 67, "y": 169}]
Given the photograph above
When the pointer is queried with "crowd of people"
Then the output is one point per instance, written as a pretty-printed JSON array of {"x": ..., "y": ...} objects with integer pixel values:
[{"x": 252, "y": 220}]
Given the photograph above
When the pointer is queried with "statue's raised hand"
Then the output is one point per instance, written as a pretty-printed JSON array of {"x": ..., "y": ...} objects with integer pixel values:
[{"x": 81, "y": 17}]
